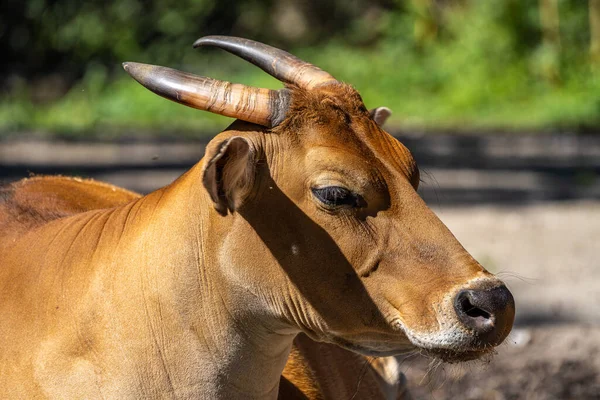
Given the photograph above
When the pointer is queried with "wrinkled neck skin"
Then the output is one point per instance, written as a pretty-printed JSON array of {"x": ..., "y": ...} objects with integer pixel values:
[{"x": 242, "y": 347}]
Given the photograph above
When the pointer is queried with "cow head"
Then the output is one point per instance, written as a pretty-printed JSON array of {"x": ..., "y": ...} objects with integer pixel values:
[{"x": 324, "y": 203}]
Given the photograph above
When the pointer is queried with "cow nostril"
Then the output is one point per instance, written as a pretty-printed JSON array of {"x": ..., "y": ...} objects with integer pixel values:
[
  {"x": 488, "y": 312},
  {"x": 472, "y": 313},
  {"x": 472, "y": 310}
]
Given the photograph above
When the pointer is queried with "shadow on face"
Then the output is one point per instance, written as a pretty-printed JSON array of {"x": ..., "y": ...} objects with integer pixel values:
[{"x": 334, "y": 296}]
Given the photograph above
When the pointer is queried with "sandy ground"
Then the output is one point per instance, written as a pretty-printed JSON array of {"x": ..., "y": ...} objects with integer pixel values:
[{"x": 547, "y": 254}]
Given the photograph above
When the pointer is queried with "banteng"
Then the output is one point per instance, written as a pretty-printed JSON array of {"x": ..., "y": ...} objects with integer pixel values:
[{"x": 302, "y": 216}]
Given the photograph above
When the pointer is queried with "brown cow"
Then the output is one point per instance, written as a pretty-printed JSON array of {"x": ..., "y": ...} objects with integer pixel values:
[{"x": 303, "y": 218}]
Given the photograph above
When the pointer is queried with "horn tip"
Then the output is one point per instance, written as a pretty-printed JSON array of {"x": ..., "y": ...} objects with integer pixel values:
[
  {"x": 215, "y": 39},
  {"x": 138, "y": 71},
  {"x": 129, "y": 65},
  {"x": 201, "y": 41}
]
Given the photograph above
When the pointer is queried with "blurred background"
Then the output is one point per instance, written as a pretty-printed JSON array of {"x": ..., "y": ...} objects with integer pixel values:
[
  {"x": 443, "y": 64},
  {"x": 498, "y": 100}
]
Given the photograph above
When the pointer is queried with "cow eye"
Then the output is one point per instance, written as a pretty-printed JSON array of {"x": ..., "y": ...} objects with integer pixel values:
[{"x": 334, "y": 196}]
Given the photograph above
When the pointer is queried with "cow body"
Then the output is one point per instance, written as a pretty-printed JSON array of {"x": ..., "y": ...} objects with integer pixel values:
[{"x": 64, "y": 289}]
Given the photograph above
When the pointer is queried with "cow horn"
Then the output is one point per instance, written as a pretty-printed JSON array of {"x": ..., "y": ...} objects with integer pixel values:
[
  {"x": 277, "y": 63},
  {"x": 260, "y": 106}
]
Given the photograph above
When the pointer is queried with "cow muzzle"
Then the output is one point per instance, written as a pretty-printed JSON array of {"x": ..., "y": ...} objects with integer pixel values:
[{"x": 472, "y": 320}]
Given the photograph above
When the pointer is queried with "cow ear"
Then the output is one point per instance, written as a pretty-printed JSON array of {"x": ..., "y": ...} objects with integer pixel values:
[
  {"x": 380, "y": 115},
  {"x": 229, "y": 173}
]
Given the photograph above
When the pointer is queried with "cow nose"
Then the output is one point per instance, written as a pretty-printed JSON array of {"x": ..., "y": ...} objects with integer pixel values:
[{"x": 488, "y": 312}]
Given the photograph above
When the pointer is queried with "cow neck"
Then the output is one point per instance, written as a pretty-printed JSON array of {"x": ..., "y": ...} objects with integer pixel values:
[{"x": 242, "y": 349}]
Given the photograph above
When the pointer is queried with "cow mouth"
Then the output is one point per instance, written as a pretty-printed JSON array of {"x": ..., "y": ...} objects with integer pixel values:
[
  {"x": 467, "y": 349},
  {"x": 383, "y": 351},
  {"x": 453, "y": 345},
  {"x": 451, "y": 356}
]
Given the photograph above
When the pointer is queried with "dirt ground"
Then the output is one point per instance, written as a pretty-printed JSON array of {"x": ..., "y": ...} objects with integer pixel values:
[
  {"x": 548, "y": 255},
  {"x": 537, "y": 363}
]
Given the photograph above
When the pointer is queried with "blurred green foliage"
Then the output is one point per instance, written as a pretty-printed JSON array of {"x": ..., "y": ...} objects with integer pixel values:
[{"x": 463, "y": 64}]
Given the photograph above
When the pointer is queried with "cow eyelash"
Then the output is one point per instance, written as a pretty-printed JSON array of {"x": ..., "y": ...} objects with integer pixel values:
[{"x": 336, "y": 196}]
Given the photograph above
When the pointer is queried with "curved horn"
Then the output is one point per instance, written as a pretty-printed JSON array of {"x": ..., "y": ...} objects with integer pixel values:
[
  {"x": 260, "y": 106},
  {"x": 277, "y": 63}
]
